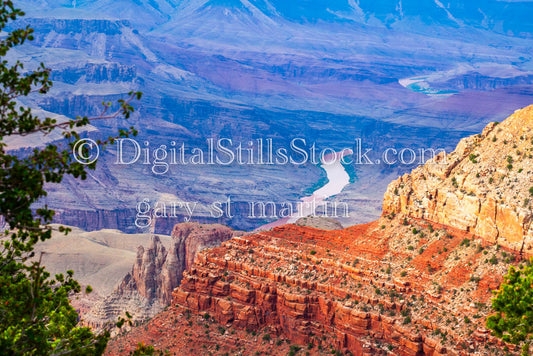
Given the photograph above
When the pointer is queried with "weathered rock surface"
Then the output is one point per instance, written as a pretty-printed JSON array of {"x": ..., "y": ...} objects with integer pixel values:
[
  {"x": 319, "y": 222},
  {"x": 482, "y": 187},
  {"x": 147, "y": 289},
  {"x": 354, "y": 289},
  {"x": 368, "y": 289}
]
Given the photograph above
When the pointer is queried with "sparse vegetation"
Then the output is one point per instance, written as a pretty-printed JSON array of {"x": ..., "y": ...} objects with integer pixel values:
[
  {"x": 465, "y": 242},
  {"x": 454, "y": 182},
  {"x": 493, "y": 260},
  {"x": 293, "y": 350}
]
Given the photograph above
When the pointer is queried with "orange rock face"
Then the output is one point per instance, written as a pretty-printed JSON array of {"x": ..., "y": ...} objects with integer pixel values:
[
  {"x": 399, "y": 286},
  {"x": 482, "y": 187}
]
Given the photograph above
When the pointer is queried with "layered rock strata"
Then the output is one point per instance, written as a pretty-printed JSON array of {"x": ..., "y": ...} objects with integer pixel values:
[
  {"x": 362, "y": 289},
  {"x": 147, "y": 289},
  {"x": 485, "y": 186}
]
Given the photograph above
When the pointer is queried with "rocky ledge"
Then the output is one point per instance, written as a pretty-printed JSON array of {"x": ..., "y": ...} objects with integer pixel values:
[
  {"x": 485, "y": 186},
  {"x": 396, "y": 286}
]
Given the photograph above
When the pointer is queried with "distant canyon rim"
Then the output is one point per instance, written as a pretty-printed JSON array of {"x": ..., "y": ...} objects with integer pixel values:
[{"x": 397, "y": 77}]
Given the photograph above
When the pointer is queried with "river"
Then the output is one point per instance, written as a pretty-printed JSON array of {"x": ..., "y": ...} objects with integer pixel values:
[{"x": 338, "y": 179}]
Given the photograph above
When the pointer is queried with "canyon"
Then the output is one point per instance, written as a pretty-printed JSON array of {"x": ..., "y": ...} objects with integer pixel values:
[
  {"x": 282, "y": 78},
  {"x": 417, "y": 281},
  {"x": 134, "y": 273},
  {"x": 410, "y": 271}
]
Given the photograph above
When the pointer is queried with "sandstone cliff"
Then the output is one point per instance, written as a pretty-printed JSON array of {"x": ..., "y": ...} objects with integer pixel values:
[
  {"x": 395, "y": 286},
  {"x": 485, "y": 186},
  {"x": 147, "y": 289}
]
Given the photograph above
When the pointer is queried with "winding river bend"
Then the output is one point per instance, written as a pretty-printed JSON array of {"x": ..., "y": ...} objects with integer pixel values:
[{"x": 338, "y": 178}]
